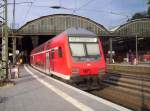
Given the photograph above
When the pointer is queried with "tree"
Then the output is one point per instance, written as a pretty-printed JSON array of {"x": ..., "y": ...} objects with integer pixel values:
[
  {"x": 139, "y": 15},
  {"x": 148, "y": 2},
  {"x": 148, "y": 11},
  {"x": 144, "y": 14}
]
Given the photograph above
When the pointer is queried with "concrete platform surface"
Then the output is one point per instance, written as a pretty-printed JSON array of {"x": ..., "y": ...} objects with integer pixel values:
[
  {"x": 135, "y": 69},
  {"x": 35, "y": 91}
]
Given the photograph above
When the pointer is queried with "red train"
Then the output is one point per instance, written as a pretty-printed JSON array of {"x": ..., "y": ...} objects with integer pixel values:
[{"x": 76, "y": 55}]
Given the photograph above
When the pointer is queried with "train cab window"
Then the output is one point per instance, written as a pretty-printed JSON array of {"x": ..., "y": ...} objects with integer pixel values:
[
  {"x": 60, "y": 52},
  {"x": 77, "y": 49},
  {"x": 93, "y": 49},
  {"x": 52, "y": 54},
  {"x": 84, "y": 48}
]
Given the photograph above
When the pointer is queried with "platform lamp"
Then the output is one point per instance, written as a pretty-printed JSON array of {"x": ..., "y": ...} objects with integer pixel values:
[
  {"x": 60, "y": 7},
  {"x": 56, "y": 7}
]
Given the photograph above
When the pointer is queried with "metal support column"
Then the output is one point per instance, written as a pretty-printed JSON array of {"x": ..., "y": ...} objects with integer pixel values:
[
  {"x": 5, "y": 44},
  {"x": 14, "y": 38},
  {"x": 110, "y": 39},
  {"x": 136, "y": 48},
  {"x": 14, "y": 49}
]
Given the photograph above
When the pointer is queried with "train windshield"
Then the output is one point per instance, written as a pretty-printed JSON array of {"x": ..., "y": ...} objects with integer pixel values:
[
  {"x": 92, "y": 49},
  {"x": 77, "y": 49},
  {"x": 84, "y": 49}
]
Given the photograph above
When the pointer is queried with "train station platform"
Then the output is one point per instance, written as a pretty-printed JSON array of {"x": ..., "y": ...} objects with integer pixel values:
[
  {"x": 35, "y": 91},
  {"x": 128, "y": 68}
]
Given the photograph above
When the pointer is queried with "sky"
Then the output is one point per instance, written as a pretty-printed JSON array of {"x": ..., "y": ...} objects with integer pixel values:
[{"x": 109, "y": 13}]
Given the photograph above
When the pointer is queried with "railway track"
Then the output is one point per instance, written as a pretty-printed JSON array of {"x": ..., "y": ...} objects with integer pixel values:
[{"x": 129, "y": 90}]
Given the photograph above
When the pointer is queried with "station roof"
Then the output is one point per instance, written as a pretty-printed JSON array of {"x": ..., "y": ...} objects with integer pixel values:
[
  {"x": 57, "y": 23},
  {"x": 79, "y": 31},
  {"x": 139, "y": 27}
]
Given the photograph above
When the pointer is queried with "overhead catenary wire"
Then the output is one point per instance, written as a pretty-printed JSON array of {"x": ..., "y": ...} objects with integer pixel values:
[
  {"x": 28, "y": 11},
  {"x": 18, "y": 3},
  {"x": 84, "y": 5},
  {"x": 75, "y": 9},
  {"x": 106, "y": 11},
  {"x": 96, "y": 11}
]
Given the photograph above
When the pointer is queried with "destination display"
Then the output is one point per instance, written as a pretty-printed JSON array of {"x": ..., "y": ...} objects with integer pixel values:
[{"x": 82, "y": 39}]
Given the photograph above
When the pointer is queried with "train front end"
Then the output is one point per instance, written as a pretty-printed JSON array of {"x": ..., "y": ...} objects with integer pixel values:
[{"x": 87, "y": 58}]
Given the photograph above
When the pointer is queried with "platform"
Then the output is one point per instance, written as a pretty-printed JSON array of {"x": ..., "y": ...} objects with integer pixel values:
[
  {"x": 128, "y": 68},
  {"x": 37, "y": 92}
]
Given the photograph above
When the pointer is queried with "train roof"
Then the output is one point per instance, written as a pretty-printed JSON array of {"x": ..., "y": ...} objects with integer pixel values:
[{"x": 77, "y": 31}]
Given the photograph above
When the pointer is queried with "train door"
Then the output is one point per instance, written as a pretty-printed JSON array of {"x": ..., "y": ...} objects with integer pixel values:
[
  {"x": 59, "y": 64},
  {"x": 33, "y": 61},
  {"x": 47, "y": 62},
  {"x": 52, "y": 60}
]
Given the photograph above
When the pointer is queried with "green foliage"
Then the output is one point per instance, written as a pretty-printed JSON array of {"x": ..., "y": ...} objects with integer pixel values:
[
  {"x": 138, "y": 16},
  {"x": 148, "y": 2},
  {"x": 148, "y": 11}
]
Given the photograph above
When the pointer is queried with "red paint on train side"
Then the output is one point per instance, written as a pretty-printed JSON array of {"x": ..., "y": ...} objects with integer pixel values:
[{"x": 56, "y": 56}]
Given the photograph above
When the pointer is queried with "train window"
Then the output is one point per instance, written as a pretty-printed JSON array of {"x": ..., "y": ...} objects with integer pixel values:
[
  {"x": 60, "y": 52},
  {"x": 47, "y": 46},
  {"x": 77, "y": 49},
  {"x": 93, "y": 49},
  {"x": 52, "y": 54}
]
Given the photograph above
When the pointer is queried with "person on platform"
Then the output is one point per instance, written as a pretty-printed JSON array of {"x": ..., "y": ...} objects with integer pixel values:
[{"x": 131, "y": 57}]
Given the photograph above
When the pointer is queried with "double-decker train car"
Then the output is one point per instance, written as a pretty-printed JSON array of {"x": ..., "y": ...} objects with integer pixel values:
[{"x": 74, "y": 55}]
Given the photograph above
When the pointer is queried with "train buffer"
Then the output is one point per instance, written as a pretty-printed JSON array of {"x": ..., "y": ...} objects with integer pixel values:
[{"x": 35, "y": 91}]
